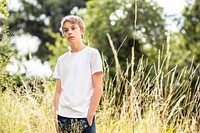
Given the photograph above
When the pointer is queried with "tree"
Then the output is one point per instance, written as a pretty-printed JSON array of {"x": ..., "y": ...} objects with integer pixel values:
[
  {"x": 118, "y": 19},
  {"x": 191, "y": 29},
  {"x": 39, "y": 16}
]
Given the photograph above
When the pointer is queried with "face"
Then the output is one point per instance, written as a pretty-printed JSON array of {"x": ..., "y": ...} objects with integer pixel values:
[{"x": 72, "y": 32}]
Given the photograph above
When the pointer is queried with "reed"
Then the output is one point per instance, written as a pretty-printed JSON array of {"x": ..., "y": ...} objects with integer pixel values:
[{"x": 143, "y": 98}]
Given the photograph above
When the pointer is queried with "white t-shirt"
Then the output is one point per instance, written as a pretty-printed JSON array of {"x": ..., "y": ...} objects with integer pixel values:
[{"x": 75, "y": 71}]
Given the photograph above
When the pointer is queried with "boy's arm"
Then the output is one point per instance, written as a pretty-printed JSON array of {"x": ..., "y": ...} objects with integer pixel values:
[
  {"x": 98, "y": 91},
  {"x": 57, "y": 96}
]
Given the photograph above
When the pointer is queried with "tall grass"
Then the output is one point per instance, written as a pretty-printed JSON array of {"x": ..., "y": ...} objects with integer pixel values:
[
  {"x": 136, "y": 103},
  {"x": 26, "y": 111},
  {"x": 141, "y": 99},
  {"x": 150, "y": 99}
]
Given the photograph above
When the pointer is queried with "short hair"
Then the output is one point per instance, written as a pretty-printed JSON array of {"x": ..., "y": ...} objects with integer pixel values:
[{"x": 74, "y": 20}]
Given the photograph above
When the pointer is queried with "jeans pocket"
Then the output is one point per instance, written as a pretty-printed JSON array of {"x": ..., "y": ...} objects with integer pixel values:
[{"x": 86, "y": 122}]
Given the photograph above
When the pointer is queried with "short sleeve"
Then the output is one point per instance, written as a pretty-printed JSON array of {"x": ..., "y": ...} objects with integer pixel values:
[
  {"x": 96, "y": 62},
  {"x": 56, "y": 73}
]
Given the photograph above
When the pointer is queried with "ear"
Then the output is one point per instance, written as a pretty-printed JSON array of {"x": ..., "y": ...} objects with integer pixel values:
[{"x": 82, "y": 32}]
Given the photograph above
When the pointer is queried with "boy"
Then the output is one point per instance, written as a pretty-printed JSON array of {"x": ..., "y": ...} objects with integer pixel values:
[{"x": 79, "y": 84}]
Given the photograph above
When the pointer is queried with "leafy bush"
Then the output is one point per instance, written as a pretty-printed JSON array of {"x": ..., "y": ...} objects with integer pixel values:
[{"x": 6, "y": 81}]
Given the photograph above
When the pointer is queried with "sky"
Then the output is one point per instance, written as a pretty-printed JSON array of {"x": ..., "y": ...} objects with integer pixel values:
[
  {"x": 34, "y": 66},
  {"x": 172, "y": 7}
]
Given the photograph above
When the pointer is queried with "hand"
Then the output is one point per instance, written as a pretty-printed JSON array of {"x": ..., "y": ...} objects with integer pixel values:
[
  {"x": 90, "y": 118},
  {"x": 56, "y": 120},
  {"x": 55, "y": 115}
]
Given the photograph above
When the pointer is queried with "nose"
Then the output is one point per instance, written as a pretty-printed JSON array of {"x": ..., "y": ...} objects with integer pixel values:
[{"x": 69, "y": 31}]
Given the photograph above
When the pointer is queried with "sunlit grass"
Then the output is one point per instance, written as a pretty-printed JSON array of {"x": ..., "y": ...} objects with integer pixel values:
[
  {"x": 24, "y": 114},
  {"x": 140, "y": 111},
  {"x": 141, "y": 100}
]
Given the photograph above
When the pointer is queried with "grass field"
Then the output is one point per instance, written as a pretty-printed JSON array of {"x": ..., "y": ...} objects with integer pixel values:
[{"x": 133, "y": 101}]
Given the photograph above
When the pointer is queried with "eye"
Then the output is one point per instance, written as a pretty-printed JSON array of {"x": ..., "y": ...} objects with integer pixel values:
[
  {"x": 73, "y": 28},
  {"x": 66, "y": 30}
]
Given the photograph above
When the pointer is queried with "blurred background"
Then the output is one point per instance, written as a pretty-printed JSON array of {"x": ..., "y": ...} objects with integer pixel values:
[
  {"x": 153, "y": 85},
  {"x": 34, "y": 31}
]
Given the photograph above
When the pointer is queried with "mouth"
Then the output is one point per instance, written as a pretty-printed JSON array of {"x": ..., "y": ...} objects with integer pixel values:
[{"x": 71, "y": 37}]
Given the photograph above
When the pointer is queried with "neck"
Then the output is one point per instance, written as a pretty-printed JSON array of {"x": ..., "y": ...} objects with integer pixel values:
[{"x": 77, "y": 47}]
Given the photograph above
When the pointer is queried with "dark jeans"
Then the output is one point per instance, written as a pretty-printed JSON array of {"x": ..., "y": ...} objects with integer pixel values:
[{"x": 75, "y": 125}]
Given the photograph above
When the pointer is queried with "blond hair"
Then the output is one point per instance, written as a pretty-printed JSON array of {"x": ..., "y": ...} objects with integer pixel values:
[{"x": 74, "y": 20}]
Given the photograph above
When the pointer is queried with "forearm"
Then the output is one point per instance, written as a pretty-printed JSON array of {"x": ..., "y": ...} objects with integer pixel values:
[
  {"x": 98, "y": 91},
  {"x": 56, "y": 100},
  {"x": 95, "y": 100},
  {"x": 57, "y": 95}
]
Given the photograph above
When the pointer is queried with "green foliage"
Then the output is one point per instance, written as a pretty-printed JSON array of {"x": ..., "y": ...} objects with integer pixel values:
[
  {"x": 38, "y": 16},
  {"x": 140, "y": 21},
  {"x": 184, "y": 45},
  {"x": 57, "y": 49},
  {"x": 6, "y": 81},
  {"x": 3, "y": 17},
  {"x": 3, "y": 8},
  {"x": 191, "y": 29},
  {"x": 177, "y": 48}
]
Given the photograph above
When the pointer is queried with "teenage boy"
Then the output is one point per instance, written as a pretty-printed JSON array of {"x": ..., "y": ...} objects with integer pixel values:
[{"x": 79, "y": 84}]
